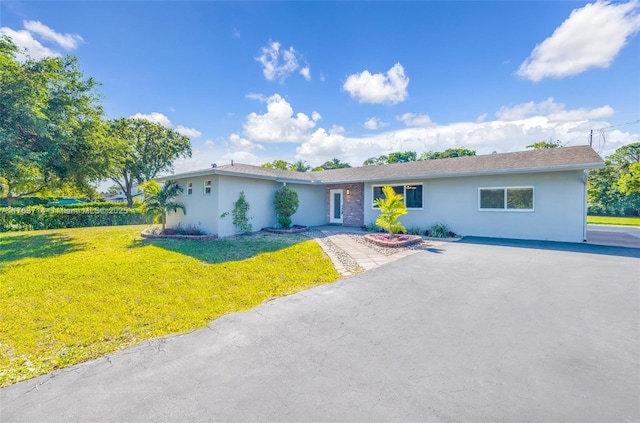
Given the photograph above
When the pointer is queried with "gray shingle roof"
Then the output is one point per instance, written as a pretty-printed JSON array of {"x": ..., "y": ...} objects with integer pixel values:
[{"x": 556, "y": 159}]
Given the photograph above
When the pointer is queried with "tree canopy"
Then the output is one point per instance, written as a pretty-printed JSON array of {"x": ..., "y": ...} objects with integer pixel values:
[
  {"x": 140, "y": 150},
  {"x": 542, "y": 145},
  {"x": 446, "y": 154},
  {"x": 50, "y": 124}
]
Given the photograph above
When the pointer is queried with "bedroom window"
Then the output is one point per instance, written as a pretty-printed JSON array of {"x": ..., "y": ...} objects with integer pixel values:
[
  {"x": 189, "y": 188},
  {"x": 207, "y": 187},
  {"x": 412, "y": 194},
  {"x": 507, "y": 198}
]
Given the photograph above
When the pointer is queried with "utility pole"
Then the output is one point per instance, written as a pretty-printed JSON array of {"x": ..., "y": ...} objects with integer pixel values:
[{"x": 591, "y": 139}]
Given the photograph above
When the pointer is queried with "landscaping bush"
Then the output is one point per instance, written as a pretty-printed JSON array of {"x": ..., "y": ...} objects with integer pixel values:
[
  {"x": 440, "y": 230},
  {"x": 286, "y": 202},
  {"x": 40, "y": 217}
]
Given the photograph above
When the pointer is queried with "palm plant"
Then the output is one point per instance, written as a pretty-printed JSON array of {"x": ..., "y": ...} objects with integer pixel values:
[
  {"x": 391, "y": 208},
  {"x": 158, "y": 200}
]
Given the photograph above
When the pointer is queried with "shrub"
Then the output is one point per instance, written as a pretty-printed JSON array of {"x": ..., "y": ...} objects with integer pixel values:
[
  {"x": 239, "y": 214},
  {"x": 391, "y": 208},
  {"x": 40, "y": 217},
  {"x": 372, "y": 227},
  {"x": 440, "y": 230},
  {"x": 286, "y": 202},
  {"x": 414, "y": 230}
]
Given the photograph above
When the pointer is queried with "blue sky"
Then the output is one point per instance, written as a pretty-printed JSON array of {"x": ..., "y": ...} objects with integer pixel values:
[{"x": 258, "y": 81}]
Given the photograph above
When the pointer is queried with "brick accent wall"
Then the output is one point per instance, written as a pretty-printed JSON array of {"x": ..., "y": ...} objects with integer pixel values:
[{"x": 352, "y": 204}]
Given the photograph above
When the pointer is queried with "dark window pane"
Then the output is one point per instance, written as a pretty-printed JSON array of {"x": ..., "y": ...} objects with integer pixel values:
[
  {"x": 520, "y": 198},
  {"x": 492, "y": 198},
  {"x": 377, "y": 192},
  {"x": 413, "y": 196},
  {"x": 336, "y": 205}
]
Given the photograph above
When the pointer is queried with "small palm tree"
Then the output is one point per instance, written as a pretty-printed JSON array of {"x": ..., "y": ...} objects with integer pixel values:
[
  {"x": 158, "y": 200},
  {"x": 391, "y": 208}
]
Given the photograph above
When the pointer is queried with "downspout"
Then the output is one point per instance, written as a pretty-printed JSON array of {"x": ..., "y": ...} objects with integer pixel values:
[{"x": 584, "y": 205}]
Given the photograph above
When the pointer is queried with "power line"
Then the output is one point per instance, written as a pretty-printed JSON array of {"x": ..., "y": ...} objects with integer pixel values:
[{"x": 608, "y": 128}]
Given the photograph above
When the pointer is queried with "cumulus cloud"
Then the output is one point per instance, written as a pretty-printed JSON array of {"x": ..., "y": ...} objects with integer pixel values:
[
  {"x": 155, "y": 117},
  {"x": 188, "y": 132},
  {"x": 278, "y": 64},
  {"x": 412, "y": 119},
  {"x": 374, "y": 123},
  {"x": 34, "y": 33},
  {"x": 279, "y": 124},
  {"x": 378, "y": 88},
  {"x": 590, "y": 37},
  {"x": 555, "y": 112},
  {"x": 163, "y": 120},
  {"x": 243, "y": 144},
  {"x": 514, "y": 129}
]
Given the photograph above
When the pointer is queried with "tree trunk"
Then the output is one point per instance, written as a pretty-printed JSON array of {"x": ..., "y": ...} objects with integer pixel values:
[{"x": 10, "y": 201}]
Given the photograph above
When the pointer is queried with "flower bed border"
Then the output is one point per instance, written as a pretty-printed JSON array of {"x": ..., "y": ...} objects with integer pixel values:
[
  {"x": 414, "y": 239},
  {"x": 147, "y": 234},
  {"x": 295, "y": 230}
]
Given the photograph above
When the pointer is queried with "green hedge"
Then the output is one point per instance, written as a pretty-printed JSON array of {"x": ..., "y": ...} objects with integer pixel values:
[{"x": 39, "y": 217}]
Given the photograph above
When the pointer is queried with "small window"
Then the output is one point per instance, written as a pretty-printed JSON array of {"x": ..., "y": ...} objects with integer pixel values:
[
  {"x": 514, "y": 198},
  {"x": 412, "y": 194},
  {"x": 207, "y": 187},
  {"x": 189, "y": 188}
]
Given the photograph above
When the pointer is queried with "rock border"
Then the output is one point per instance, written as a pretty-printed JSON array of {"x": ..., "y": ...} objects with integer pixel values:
[
  {"x": 294, "y": 230},
  {"x": 414, "y": 239},
  {"x": 147, "y": 234}
]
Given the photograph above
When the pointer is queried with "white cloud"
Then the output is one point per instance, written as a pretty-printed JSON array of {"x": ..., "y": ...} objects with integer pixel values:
[
  {"x": 27, "y": 39},
  {"x": 378, "y": 88},
  {"x": 209, "y": 143},
  {"x": 279, "y": 64},
  {"x": 590, "y": 37},
  {"x": 155, "y": 117},
  {"x": 374, "y": 123},
  {"x": 306, "y": 73},
  {"x": 66, "y": 41},
  {"x": 279, "y": 124},
  {"x": 535, "y": 122},
  {"x": 243, "y": 144},
  {"x": 555, "y": 112},
  {"x": 482, "y": 117},
  {"x": 163, "y": 120},
  {"x": 412, "y": 119},
  {"x": 188, "y": 132}
]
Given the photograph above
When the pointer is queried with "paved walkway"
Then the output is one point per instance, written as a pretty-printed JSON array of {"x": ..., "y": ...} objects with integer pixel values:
[{"x": 341, "y": 243}]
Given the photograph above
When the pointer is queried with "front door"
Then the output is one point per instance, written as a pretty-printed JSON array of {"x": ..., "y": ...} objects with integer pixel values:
[{"x": 335, "y": 206}]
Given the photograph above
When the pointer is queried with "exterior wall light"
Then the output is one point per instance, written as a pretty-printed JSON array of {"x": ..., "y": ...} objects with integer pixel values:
[{"x": 348, "y": 191}]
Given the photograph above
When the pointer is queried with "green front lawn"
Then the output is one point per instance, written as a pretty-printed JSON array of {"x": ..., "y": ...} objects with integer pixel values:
[
  {"x": 71, "y": 295},
  {"x": 610, "y": 220}
]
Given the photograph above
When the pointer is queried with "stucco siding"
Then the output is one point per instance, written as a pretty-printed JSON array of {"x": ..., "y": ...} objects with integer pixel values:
[
  {"x": 558, "y": 213},
  {"x": 202, "y": 209},
  {"x": 311, "y": 209}
]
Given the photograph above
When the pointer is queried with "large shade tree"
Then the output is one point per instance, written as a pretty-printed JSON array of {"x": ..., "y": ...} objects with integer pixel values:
[
  {"x": 140, "y": 150},
  {"x": 50, "y": 124}
]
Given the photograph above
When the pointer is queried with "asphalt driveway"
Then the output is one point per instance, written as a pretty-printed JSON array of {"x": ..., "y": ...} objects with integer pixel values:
[{"x": 467, "y": 332}]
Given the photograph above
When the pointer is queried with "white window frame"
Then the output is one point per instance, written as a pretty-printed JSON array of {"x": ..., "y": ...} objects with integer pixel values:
[
  {"x": 189, "y": 188},
  {"x": 504, "y": 208},
  {"x": 404, "y": 190},
  {"x": 210, "y": 186}
]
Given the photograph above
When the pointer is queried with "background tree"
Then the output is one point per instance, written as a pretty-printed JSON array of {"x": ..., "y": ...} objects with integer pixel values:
[
  {"x": 50, "y": 124},
  {"x": 333, "y": 164},
  {"x": 396, "y": 157},
  {"x": 140, "y": 150},
  {"x": 278, "y": 164},
  {"x": 543, "y": 145},
  {"x": 391, "y": 208},
  {"x": 286, "y": 203},
  {"x": 159, "y": 200},
  {"x": 446, "y": 154},
  {"x": 300, "y": 166},
  {"x": 607, "y": 194}
]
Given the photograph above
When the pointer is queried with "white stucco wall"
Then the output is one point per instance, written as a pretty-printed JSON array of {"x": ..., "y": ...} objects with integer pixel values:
[
  {"x": 204, "y": 210},
  {"x": 558, "y": 207}
]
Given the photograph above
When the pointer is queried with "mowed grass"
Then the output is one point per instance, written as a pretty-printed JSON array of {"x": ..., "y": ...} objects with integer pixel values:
[
  {"x": 610, "y": 220},
  {"x": 71, "y": 295}
]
